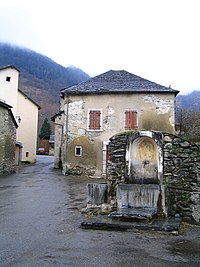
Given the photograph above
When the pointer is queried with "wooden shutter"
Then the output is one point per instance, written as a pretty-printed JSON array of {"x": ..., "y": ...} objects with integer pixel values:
[
  {"x": 130, "y": 119},
  {"x": 95, "y": 120}
]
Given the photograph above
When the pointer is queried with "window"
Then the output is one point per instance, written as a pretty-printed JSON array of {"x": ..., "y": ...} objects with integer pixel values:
[
  {"x": 8, "y": 79},
  {"x": 130, "y": 119},
  {"x": 95, "y": 120},
  {"x": 78, "y": 151}
]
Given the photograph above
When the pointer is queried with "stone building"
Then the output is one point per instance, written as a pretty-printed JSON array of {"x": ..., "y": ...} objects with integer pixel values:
[
  {"x": 95, "y": 110},
  {"x": 7, "y": 139}
]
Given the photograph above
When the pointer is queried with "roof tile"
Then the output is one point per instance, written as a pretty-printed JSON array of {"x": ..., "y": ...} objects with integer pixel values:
[{"x": 117, "y": 82}]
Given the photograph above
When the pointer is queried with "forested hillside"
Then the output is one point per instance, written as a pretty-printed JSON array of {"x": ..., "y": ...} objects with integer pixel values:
[
  {"x": 188, "y": 116},
  {"x": 190, "y": 101},
  {"x": 40, "y": 77}
]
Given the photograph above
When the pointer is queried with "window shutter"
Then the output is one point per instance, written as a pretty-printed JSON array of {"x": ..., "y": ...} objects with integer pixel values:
[
  {"x": 98, "y": 120},
  {"x": 127, "y": 117},
  {"x": 133, "y": 116},
  {"x": 91, "y": 120},
  {"x": 130, "y": 119},
  {"x": 95, "y": 120}
]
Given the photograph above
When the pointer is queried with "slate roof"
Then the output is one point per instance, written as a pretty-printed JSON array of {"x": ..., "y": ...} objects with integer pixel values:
[
  {"x": 3, "y": 104},
  {"x": 116, "y": 82},
  {"x": 8, "y": 107},
  {"x": 9, "y": 66}
]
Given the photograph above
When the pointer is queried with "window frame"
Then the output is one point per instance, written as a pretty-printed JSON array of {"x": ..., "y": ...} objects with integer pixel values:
[
  {"x": 81, "y": 151},
  {"x": 130, "y": 110},
  {"x": 101, "y": 120}
]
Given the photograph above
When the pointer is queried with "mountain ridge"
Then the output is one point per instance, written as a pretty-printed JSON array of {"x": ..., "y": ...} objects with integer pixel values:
[
  {"x": 190, "y": 101},
  {"x": 40, "y": 77}
]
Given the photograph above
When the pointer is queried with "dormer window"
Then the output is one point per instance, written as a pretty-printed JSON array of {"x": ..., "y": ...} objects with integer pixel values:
[{"x": 8, "y": 78}]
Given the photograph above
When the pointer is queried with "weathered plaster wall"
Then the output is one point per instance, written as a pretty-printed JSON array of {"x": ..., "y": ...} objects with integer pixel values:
[
  {"x": 155, "y": 111},
  {"x": 7, "y": 143},
  {"x": 180, "y": 180},
  {"x": 28, "y": 127},
  {"x": 88, "y": 157},
  {"x": 9, "y": 89},
  {"x": 160, "y": 108},
  {"x": 59, "y": 130},
  {"x": 58, "y": 143}
]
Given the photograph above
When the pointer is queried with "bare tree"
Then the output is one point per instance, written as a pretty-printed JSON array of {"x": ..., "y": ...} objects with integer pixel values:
[{"x": 189, "y": 124}]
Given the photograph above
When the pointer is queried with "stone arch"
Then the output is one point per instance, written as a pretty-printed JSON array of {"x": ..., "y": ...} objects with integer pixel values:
[{"x": 144, "y": 160}]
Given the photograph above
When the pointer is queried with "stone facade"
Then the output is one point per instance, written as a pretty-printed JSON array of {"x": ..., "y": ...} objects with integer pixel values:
[
  {"x": 92, "y": 161},
  {"x": 7, "y": 141},
  {"x": 123, "y": 101},
  {"x": 179, "y": 179}
]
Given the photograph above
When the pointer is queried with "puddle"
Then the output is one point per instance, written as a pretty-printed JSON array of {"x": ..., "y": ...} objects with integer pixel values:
[
  {"x": 187, "y": 249},
  {"x": 7, "y": 187}
]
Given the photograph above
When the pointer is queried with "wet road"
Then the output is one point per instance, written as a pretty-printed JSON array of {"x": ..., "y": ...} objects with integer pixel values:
[{"x": 39, "y": 226}]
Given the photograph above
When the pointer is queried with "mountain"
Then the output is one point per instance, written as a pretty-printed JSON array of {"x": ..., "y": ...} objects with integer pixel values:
[
  {"x": 190, "y": 101},
  {"x": 40, "y": 77}
]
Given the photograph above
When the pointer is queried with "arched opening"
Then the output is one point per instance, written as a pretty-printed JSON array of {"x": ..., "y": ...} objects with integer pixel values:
[{"x": 143, "y": 161}]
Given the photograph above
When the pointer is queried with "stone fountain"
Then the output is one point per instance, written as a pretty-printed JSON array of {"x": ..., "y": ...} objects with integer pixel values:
[{"x": 152, "y": 175}]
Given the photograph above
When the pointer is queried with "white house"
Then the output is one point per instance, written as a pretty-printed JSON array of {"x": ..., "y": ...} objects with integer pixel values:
[
  {"x": 27, "y": 131},
  {"x": 9, "y": 81},
  {"x": 25, "y": 111}
]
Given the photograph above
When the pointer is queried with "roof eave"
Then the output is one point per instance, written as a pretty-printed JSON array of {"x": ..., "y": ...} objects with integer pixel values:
[
  {"x": 9, "y": 66},
  {"x": 175, "y": 92},
  {"x": 33, "y": 102}
]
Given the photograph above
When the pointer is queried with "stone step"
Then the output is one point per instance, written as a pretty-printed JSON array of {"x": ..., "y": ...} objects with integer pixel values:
[
  {"x": 170, "y": 225},
  {"x": 134, "y": 214}
]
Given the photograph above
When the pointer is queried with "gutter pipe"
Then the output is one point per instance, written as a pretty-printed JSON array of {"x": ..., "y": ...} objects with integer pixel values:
[{"x": 66, "y": 138}]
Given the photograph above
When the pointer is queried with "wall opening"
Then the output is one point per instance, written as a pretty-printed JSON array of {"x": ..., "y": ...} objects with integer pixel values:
[
  {"x": 8, "y": 78},
  {"x": 105, "y": 159},
  {"x": 143, "y": 161},
  {"x": 78, "y": 151}
]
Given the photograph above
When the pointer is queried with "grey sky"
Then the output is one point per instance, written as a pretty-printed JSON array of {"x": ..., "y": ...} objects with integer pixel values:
[{"x": 156, "y": 39}]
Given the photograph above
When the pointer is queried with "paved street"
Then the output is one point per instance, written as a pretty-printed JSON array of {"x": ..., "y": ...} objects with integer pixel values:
[{"x": 40, "y": 226}]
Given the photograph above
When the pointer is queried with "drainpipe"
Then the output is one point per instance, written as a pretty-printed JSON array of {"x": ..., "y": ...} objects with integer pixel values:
[{"x": 66, "y": 138}]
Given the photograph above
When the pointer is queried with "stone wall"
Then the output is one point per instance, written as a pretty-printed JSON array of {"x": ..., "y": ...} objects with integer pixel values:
[
  {"x": 182, "y": 176},
  {"x": 117, "y": 154},
  {"x": 7, "y": 143},
  {"x": 116, "y": 164},
  {"x": 181, "y": 172}
]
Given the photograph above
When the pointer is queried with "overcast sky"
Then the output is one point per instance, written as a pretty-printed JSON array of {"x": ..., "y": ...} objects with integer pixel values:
[{"x": 156, "y": 39}]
